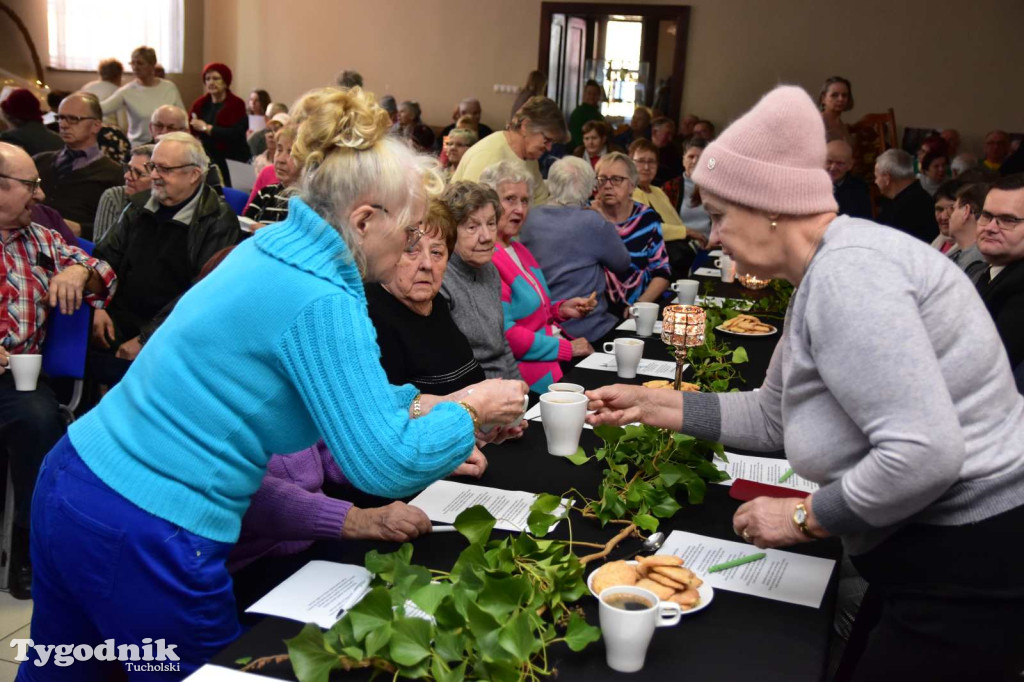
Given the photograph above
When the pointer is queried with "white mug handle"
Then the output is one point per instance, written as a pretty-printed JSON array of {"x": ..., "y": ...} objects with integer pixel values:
[
  {"x": 609, "y": 347},
  {"x": 669, "y": 614},
  {"x": 674, "y": 287},
  {"x": 718, "y": 263},
  {"x": 634, "y": 310}
]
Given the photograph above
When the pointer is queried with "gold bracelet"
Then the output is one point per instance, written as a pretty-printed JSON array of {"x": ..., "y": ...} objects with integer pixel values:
[
  {"x": 417, "y": 408},
  {"x": 472, "y": 414}
]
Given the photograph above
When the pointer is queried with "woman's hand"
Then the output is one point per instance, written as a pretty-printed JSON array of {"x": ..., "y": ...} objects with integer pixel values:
[
  {"x": 199, "y": 125},
  {"x": 575, "y": 308},
  {"x": 500, "y": 434},
  {"x": 474, "y": 466},
  {"x": 768, "y": 522},
  {"x": 617, "y": 404},
  {"x": 581, "y": 348},
  {"x": 497, "y": 401},
  {"x": 700, "y": 238},
  {"x": 5, "y": 359},
  {"x": 396, "y": 522}
]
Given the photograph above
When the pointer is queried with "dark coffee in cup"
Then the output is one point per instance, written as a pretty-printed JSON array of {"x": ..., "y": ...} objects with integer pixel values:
[{"x": 628, "y": 602}]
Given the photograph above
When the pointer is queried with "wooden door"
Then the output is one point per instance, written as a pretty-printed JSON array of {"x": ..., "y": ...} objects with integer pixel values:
[{"x": 575, "y": 61}]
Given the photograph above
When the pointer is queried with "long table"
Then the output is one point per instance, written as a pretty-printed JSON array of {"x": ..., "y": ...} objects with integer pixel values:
[{"x": 736, "y": 637}]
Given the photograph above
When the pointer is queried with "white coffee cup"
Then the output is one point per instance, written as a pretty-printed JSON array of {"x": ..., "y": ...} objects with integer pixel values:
[
  {"x": 645, "y": 314},
  {"x": 562, "y": 414},
  {"x": 565, "y": 387},
  {"x": 25, "y": 369},
  {"x": 727, "y": 266},
  {"x": 628, "y": 353},
  {"x": 687, "y": 290},
  {"x": 627, "y": 633}
]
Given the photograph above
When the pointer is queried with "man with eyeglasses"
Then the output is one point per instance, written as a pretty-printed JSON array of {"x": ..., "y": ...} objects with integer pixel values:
[
  {"x": 171, "y": 119},
  {"x": 115, "y": 200},
  {"x": 158, "y": 247},
  {"x": 39, "y": 272},
  {"x": 75, "y": 177},
  {"x": 1001, "y": 242}
]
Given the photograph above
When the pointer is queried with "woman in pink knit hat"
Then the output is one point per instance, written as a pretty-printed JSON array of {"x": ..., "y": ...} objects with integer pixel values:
[{"x": 889, "y": 387}]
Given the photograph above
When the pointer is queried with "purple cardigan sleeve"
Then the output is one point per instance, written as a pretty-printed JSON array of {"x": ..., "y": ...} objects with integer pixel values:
[{"x": 289, "y": 504}]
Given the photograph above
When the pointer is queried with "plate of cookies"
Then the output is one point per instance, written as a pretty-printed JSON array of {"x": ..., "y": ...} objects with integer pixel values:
[
  {"x": 746, "y": 325},
  {"x": 662, "y": 574}
]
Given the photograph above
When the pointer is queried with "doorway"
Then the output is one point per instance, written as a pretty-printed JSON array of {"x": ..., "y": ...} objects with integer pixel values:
[{"x": 637, "y": 53}]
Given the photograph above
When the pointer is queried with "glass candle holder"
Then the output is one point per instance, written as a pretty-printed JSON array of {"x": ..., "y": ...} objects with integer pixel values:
[{"x": 682, "y": 327}]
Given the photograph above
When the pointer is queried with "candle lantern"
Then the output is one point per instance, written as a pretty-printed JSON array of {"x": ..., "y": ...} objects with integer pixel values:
[{"x": 682, "y": 328}]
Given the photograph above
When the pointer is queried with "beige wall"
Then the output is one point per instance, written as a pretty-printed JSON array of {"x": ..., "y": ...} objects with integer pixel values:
[{"x": 936, "y": 62}]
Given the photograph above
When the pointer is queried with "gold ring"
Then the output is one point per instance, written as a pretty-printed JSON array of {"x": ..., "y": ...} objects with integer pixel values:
[{"x": 746, "y": 535}]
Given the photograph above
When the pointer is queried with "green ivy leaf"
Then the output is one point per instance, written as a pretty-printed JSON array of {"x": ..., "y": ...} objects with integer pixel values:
[
  {"x": 497, "y": 671},
  {"x": 671, "y": 474},
  {"x": 579, "y": 634},
  {"x": 442, "y": 673},
  {"x": 501, "y": 596},
  {"x": 695, "y": 489},
  {"x": 609, "y": 434},
  {"x": 546, "y": 503},
  {"x": 666, "y": 507},
  {"x": 372, "y": 612},
  {"x": 244, "y": 660},
  {"x": 310, "y": 660},
  {"x": 384, "y": 564},
  {"x": 579, "y": 458},
  {"x": 449, "y": 645},
  {"x": 517, "y": 638},
  {"x": 377, "y": 640},
  {"x": 646, "y": 521},
  {"x": 410, "y": 641},
  {"x": 447, "y": 614},
  {"x": 539, "y": 522},
  {"x": 739, "y": 355},
  {"x": 475, "y": 523},
  {"x": 429, "y": 596}
]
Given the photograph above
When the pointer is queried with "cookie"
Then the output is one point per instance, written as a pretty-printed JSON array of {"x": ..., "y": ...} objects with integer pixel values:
[
  {"x": 667, "y": 582},
  {"x": 662, "y": 591},
  {"x": 660, "y": 560},
  {"x": 613, "y": 574},
  {"x": 686, "y": 599},
  {"x": 676, "y": 573}
]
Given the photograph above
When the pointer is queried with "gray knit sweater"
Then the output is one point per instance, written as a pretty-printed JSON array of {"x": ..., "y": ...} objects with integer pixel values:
[
  {"x": 889, "y": 387},
  {"x": 474, "y": 295}
]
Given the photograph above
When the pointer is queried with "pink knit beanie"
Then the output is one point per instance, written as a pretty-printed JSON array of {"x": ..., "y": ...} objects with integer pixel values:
[{"x": 772, "y": 158}]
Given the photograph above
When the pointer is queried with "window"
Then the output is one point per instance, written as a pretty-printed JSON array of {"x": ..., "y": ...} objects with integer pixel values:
[{"x": 83, "y": 32}]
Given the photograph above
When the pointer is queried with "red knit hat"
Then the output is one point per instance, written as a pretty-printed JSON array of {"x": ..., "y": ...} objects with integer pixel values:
[
  {"x": 772, "y": 158},
  {"x": 22, "y": 105},
  {"x": 222, "y": 69}
]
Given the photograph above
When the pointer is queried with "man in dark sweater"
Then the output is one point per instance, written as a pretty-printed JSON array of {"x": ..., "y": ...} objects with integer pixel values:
[
  {"x": 906, "y": 205},
  {"x": 158, "y": 247},
  {"x": 851, "y": 192},
  {"x": 1001, "y": 242},
  {"x": 76, "y": 176},
  {"x": 670, "y": 155}
]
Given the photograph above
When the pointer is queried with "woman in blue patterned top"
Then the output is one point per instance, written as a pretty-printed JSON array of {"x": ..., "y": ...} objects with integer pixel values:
[
  {"x": 137, "y": 508},
  {"x": 639, "y": 226}
]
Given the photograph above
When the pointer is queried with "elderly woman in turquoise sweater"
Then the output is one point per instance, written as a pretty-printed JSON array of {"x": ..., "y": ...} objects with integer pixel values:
[{"x": 138, "y": 506}]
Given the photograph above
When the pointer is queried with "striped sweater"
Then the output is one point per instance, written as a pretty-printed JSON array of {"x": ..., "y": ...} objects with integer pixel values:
[{"x": 529, "y": 318}]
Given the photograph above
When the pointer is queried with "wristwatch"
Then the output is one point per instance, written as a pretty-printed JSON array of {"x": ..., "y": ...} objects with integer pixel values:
[{"x": 800, "y": 517}]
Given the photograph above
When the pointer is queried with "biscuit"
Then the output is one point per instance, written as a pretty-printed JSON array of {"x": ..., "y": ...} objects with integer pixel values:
[
  {"x": 667, "y": 582},
  {"x": 686, "y": 599},
  {"x": 660, "y": 560},
  {"x": 657, "y": 588},
  {"x": 613, "y": 574},
  {"x": 680, "y": 575}
]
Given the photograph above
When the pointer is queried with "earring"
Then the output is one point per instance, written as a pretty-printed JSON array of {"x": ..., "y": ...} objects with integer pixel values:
[{"x": 774, "y": 225}]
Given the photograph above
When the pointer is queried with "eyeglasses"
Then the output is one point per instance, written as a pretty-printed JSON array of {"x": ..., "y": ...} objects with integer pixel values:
[
  {"x": 33, "y": 185},
  {"x": 413, "y": 233},
  {"x": 74, "y": 120},
  {"x": 129, "y": 169},
  {"x": 616, "y": 180},
  {"x": 166, "y": 126},
  {"x": 164, "y": 170},
  {"x": 1003, "y": 222}
]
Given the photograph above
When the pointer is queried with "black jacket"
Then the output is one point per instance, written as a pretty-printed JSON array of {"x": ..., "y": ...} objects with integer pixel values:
[
  {"x": 1004, "y": 298},
  {"x": 912, "y": 211},
  {"x": 212, "y": 226},
  {"x": 854, "y": 197}
]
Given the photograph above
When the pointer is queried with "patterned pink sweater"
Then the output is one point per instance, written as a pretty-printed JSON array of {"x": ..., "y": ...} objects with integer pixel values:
[{"x": 529, "y": 316}]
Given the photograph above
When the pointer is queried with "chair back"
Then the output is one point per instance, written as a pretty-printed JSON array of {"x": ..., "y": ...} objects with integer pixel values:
[
  {"x": 236, "y": 199},
  {"x": 67, "y": 337}
]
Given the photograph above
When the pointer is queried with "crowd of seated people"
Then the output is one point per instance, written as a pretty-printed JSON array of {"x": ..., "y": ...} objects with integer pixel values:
[{"x": 504, "y": 275}]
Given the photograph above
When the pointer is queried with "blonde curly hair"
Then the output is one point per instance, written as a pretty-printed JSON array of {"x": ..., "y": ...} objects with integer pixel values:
[{"x": 346, "y": 156}]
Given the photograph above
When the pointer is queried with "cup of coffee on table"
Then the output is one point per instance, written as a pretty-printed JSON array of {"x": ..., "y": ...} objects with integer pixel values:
[
  {"x": 628, "y": 353},
  {"x": 25, "y": 369},
  {"x": 562, "y": 414},
  {"x": 728, "y": 268},
  {"x": 686, "y": 289},
  {"x": 629, "y": 615},
  {"x": 645, "y": 314},
  {"x": 565, "y": 387}
]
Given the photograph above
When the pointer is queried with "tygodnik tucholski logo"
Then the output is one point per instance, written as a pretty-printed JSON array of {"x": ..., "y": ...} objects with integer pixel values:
[{"x": 135, "y": 658}]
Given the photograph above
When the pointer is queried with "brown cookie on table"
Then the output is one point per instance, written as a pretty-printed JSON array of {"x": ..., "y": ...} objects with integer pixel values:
[
  {"x": 660, "y": 560},
  {"x": 667, "y": 582},
  {"x": 613, "y": 574},
  {"x": 686, "y": 599},
  {"x": 662, "y": 591},
  {"x": 677, "y": 573}
]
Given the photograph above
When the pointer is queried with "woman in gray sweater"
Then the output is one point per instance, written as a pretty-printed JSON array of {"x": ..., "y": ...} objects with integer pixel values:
[{"x": 889, "y": 387}]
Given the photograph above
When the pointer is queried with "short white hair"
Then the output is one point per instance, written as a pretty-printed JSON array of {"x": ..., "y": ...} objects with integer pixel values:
[
  {"x": 178, "y": 112},
  {"x": 571, "y": 181},
  {"x": 195, "y": 154},
  {"x": 506, "y": 171},
  {"x": 897, "y": 163},
  {"x": 963, "y": 162}
]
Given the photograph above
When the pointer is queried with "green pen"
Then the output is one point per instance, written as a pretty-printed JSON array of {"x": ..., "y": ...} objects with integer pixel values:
[
  {"x": 785, "y": 477},
  {"x": 737, "y": 562}
]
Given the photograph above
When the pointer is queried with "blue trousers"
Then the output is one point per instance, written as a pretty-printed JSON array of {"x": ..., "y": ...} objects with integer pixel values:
[{"x": 105, "y": 569}]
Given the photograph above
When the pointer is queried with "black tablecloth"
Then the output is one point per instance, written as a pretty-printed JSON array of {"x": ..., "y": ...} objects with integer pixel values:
[{"x": 736, "y": 637}]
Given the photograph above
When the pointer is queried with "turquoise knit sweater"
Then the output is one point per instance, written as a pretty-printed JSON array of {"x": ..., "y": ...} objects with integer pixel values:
[{"x": 269, "y": 353}]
